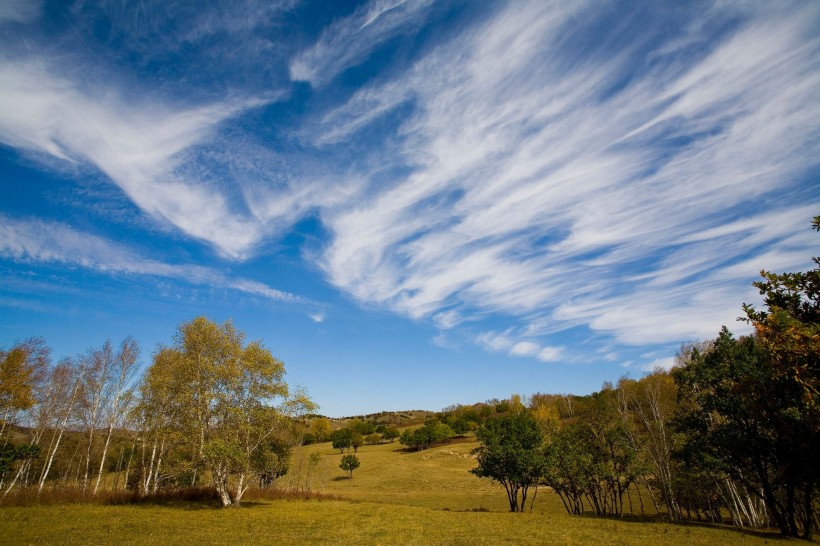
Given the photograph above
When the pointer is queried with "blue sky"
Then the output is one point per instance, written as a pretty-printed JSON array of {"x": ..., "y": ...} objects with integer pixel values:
[{"x": 412, "y": 203}]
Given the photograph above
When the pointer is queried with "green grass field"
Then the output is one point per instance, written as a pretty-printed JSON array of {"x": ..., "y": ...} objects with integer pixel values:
[{"x": 395, "y": 498}]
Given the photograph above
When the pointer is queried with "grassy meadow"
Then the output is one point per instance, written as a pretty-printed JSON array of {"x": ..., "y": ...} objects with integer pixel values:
[{"x": 395, "y": 497}]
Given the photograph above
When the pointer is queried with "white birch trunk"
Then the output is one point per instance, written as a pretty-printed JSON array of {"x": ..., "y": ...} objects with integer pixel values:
[
  {"x": 146, "y": 480},
  {"x": 241, "y": 488},
  {"x": 102, "y": 458},
  {"x": 53, "y": 452},
  {"x": 127, "y": 357},
  {"x": 159, "y": 463}
]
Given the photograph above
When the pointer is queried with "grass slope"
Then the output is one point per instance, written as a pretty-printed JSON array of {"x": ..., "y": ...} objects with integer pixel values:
[
  {"x": 434, "y": 478},
  {"x": 397, "y": 497},
  {"x": 325, "y": 522}
]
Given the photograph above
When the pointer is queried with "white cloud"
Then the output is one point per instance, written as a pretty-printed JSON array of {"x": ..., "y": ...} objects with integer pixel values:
[
  {"x": 348, "y": 41},
  {"x": 537, "y": 191},
  {"x": 525, "y": 348},
  {"x": 510, "y": 343},
  {"x": 659, "y": 364},
  {"x": 318, "y": 317},
  {"x": 550, "y": 354},
  {"x": 495, "y": 341},
  {"x": 140, "y": 145},
  {"x": 548, "y": 175},
  {"x": 28, "y": 240},
  {"x": 447, "y": 319}
]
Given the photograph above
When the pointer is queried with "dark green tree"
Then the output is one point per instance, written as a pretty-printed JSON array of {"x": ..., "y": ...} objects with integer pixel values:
[
  {"x": 432, "y": 432},
  {"x": 341, "y": 439},
  {"x": 511, "y": 454},
  {"x": 744, "y": 418},
  {"x": 789, "y": 327},
  {"x": 568, "y": 467},
  {"x": 356, "y": 441},
  {"x": 349, "y": 464},
  {"x": 390, "y": 433}
]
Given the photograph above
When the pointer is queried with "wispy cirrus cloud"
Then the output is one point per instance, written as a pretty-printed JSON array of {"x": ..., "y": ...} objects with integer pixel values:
[
  {"x": 535, "y": 162},
  {"x": 19, "y": 11},
  {"x": 348, "y": 41},
  {"x": 29, "y": 240},
  {"x": 144, "y": 147},
  {"x": 595, "y": 185}
]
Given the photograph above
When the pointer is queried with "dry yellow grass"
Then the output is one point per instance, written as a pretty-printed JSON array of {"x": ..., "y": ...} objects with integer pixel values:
[
  {"x": 397, "y": 497},
  {"x": 336, "y": 522}
]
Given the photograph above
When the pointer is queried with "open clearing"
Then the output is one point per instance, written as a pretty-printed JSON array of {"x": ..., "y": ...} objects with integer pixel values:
[
  {"x": 396, "y": 497},
  {"x": 336, "y": 522}
]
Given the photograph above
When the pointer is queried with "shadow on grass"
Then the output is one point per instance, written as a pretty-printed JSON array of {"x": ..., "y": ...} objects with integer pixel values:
[
  {"x": 188, "y": 498},
  {"x": 765, "y": 533}
]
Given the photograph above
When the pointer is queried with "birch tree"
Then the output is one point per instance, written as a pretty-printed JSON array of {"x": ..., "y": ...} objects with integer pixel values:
[
  {"x": 120, "y": 394},
  {"x": 229, "y": 397},
  {"x": 65, "y": 381},
  {"x": 94, "y": 392},
  {"x": 653, "y": 401}
]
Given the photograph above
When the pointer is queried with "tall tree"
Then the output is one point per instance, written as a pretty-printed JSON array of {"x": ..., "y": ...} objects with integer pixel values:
[
  {"x": 93, "y": 396},
  {"x": 789, "y": 327},
  {"x": 748, "y": 420},
  {"x": 119, "y": 394},
  {"x": 229, "y": 397},
  {"x": 511, "y": 454},
  {"x": 57, "y": 408},
  {"x": 653, "y": 400}
]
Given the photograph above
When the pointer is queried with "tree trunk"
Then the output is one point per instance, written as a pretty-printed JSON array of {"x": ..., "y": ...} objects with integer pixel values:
[
  {"x": 240, "y": 489},
  {"x": 20, "y": 472},
  {"x": 159, "y": 463},
  {"x": 104, "y": 454},
  {"x": 808, "y": 506},
  {"x": 220, "y": 473},
  {"x": 49, "y": 460},
  {"x": 146, "y": 476},
  {"x": 88, "y": 458}
]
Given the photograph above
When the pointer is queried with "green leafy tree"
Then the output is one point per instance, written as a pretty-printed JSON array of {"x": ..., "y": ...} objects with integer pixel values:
[
  {"x": 390, "y": 433},
  {"x": 424, "y": 437},
  {"x": 568, "y": 467},
  {"x": 222, "y": 398},
  {"x": 744, "y": 418},
  {"x": 593, "y": 461},
  {"x": 511, "y": 454},
  {"x": 272, "y": 462},
  {"x": 349, "y": 464},
  {"x": 356, "y": 441},
  {"x": 789, "y": 327},
  {"x": 342, "y": 439}
]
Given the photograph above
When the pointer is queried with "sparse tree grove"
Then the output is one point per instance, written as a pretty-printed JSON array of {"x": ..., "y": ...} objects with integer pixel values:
[{"x": 211, "y": 409}]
